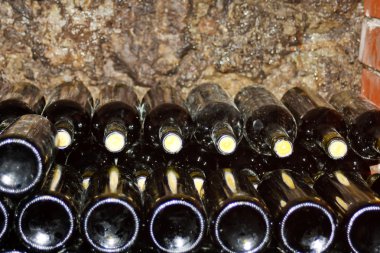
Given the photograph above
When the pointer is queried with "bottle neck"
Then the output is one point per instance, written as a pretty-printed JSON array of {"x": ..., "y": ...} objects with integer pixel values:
[
  {"x": 279, "y": 141},
  {"x": 224, "y": 138},
  {"x": 199, "y": 179},
  {"x": 65, "y": 133},
  {"x": 332, "y": 143},
  {"x": 115, "y": 136},
  {"x": 171, "y": 138}
]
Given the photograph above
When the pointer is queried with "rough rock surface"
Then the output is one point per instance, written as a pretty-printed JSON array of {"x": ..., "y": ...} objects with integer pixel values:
[{"x": 276, "y": 43}]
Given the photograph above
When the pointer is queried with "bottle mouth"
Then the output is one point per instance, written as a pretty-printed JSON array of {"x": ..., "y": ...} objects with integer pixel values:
[
  {"x": 46, "y": 223},
  {"x": 337, "y": 148},
  {"x": 307, "y": 238},
  {"x": 4, "y": 220},
  {"x": 111, "y": 225},
  {"x": 283, "y": 148},
  {"x": 361, "y": 228},
  {"x": 172, "y": 143},
  {"x": 226, "y": 144},
  {"x": 63, "y": 139},
  {"x": 242, "y": 240},
  {"x": 115, "y": 142},
  {"x": 177, "y": 226},
  {"x": 20, "y": 166}
]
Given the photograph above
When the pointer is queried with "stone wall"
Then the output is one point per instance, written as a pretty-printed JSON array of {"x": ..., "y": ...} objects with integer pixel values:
[{"x": 276, "y": 43}]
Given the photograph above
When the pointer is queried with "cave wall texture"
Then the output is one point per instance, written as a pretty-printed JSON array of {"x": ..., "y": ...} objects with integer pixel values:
[{"x": 276, "y": 43}]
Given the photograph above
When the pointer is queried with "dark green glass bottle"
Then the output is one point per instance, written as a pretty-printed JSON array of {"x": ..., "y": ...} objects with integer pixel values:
[
  {"x": 68, "y": 107},
  {"x": 111, "y": 219},
  {"x": 363, "y": 120},
  {"x": 175, "y": 214},
  {"x": 319, "y": 124},
  {"x": 357, "y": 206},
  {"x": 19, "y": 99},
  {"x": 47, "y": 220},
  {"x": 218, "y": 123},
  {"x": 116, "y": 123},
  {"x": 26, "y": 154},
  {"x": 305, "y": 223},
  {"x": 270, "y": 128},
  {"x": 167, "y": 122},
  {"x": 240, "y": 221}
]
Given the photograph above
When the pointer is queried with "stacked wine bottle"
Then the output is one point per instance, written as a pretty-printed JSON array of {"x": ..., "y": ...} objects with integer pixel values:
[{"x": 205, "y": 174}]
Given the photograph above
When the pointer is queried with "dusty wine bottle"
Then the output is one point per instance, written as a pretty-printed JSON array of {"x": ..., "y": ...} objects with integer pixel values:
[
  {"x": 240, "y": 221},
  {"x": 167, "y": 122},
  {"x": 47, "y": 220},
  {"x": 270, "y": 128},
  {"x": 111, "y": 219},
  {"x": 69, "y": 108},
  {"x": 26, "y": 153},
  {"x": 19, "y": 99},
  {"x": 305, "y": 222},
  {"x": 218, "y": 123},
  {"x": 363, "y": 120},
  {"x": 319, "y": 124},
  {"x": 357, "y": 205},
  {"x": 175, "y": 213},
  {"x": 116, "y": 121}
]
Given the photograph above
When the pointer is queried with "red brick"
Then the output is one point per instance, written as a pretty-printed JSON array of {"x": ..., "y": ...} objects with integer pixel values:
[
  {"x": 371, "y": 85},
  {"x": 372, "y": 8},
  {"x": 369, "y": 52}
]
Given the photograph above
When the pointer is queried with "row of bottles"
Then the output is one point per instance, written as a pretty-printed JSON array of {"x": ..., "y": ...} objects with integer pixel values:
[
  {"x": 209, "y": 116},
  {"x": 242, "y": 204},
  {"x": 293, "y": 163}
]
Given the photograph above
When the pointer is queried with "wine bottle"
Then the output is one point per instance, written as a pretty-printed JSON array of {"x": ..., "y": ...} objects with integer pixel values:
[
  {"x": 19, "y": 99},
  {"x": 47, "y": 220},
  {"x": 111, "y": 219},
  {"x": 305, "y": 222},
  {"x": 69, "y": 108},
  {"x": 219, "y": 125},
  {"x": 357, "y": 205},
  {"x": 319, "y": 124},
  {"x": 363, "y": 120},
  {"x": 26, "y": 153},
  {"x": 116, "y": 121},
  {"x": 175, "y": 213},
  {"x": 240, "y": 221},
  {"x": 270, "y": 128},
  {"x": 167, "y": 122}
]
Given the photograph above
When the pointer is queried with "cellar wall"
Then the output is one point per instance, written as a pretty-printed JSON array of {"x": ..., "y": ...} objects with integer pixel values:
[{"x": 275, "y": 43}]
